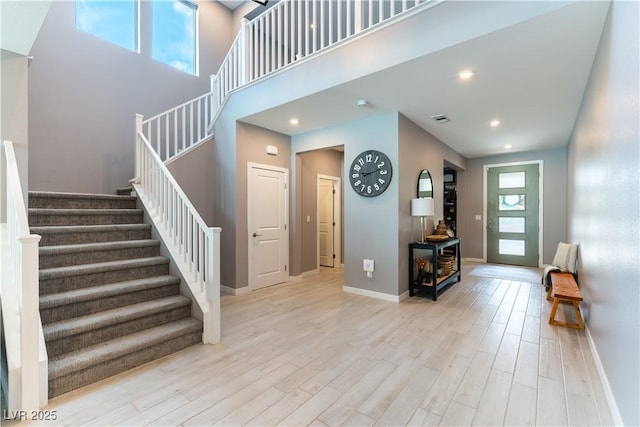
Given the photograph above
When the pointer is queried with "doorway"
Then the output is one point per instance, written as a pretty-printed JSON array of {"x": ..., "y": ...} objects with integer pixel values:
[
  {"x": 267, "y": 215},
  {"x": 513, "y": 206},
  {"x": 329, "y": 208}
]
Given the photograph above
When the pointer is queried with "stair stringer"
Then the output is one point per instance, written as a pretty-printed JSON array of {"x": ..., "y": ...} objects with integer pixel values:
[{"x": 201, "y": 309}]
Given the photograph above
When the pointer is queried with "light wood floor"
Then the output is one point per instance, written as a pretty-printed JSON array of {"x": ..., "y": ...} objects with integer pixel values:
[{"x": 305, "y": 353}]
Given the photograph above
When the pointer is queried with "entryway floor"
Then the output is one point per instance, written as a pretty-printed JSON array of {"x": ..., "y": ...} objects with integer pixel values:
[{"x": 307, "y": 353}]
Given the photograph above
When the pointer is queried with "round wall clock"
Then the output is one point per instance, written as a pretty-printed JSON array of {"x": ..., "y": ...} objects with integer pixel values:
[{"x": 370, "y": 173}]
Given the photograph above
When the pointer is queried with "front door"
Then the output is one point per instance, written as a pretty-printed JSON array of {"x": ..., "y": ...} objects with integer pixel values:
[
  {"x": 512, "y": 228},
  {"x": 267, "y": 226}
]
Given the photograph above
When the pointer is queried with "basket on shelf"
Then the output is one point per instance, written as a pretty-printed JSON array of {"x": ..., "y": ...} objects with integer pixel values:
[{"x": 445, "y": 263}]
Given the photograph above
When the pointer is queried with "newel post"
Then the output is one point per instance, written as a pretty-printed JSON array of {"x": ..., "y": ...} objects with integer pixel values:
[
  {"x": 212, "y": 329},
  {"x": 30, "y": 323},
  {"x": 138, "y": 159}
]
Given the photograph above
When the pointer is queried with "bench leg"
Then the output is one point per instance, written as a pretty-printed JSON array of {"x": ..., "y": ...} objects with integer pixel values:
[
  {"x": 576, "y": 307},
  {"x": 549, "y": 293},
  {"x": 554, "y": 308}
]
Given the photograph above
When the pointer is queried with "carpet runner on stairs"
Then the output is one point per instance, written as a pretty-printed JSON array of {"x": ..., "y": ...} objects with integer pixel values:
[{"x": 107, "y": 300}]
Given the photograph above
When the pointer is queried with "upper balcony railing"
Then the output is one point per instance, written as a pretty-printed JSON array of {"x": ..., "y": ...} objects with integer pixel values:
[
  {"x": 283, "y": 35},
  {"x": 295, "y": 29}
]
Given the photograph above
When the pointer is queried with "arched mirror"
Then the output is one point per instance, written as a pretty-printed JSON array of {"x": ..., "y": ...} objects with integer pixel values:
[{"x": 425, "y": 186}]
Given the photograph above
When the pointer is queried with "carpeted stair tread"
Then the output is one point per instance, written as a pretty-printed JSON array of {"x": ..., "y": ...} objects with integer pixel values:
[
  {"x": 61, "y": 195},
  {"x": 77, "y": 201},
  {"x": 82, "y": 269},
  {"x": 60, "y": 212},
  {"x": 68, "y": 363},
  {"x": 89, "y": 253},
  {"x": 46, "y": 216},
  {"x": 65, "y": 328},
  {"x": 104, "y": 291},
  {"x": 77, "y": 234},
  {"x": 95, "y": 246}
]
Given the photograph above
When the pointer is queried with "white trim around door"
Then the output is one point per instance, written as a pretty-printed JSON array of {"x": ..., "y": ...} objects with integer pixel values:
[{"x": 485, "y": 169}]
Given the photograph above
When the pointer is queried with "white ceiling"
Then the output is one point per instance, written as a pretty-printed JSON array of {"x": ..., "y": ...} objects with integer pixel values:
[
  {"x": 21, "y": 22},
  {"x": 530, "y": 76}
]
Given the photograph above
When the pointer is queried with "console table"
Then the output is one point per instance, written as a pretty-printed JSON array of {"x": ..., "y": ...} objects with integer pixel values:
[{"x": 434, "y": 282}]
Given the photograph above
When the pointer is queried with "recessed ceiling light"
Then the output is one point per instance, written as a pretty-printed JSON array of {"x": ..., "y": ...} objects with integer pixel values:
[
  {"x": 294, "y": 122},
  {"x": 362, "y": 103},
  {"x": 466, "y": 74},
  {"x": 508, "y": 146},
  {"x": 494, "y": 123}
]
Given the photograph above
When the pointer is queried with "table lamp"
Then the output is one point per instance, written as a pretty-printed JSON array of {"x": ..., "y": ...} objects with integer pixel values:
[{"x": 422, "y": 207}]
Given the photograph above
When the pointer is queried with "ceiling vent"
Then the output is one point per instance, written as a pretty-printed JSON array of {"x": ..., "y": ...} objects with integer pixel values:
[{"x": 440, "y": 118}]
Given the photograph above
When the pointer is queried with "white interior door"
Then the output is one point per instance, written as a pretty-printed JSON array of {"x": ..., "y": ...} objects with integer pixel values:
[
  {"x": 267, "y": 226},
  {"x": 326, "y": 222}
]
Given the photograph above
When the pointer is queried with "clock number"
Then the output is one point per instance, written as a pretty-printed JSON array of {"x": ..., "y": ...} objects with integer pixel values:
[
  {"x": 361, "y": 161},
  {"x": 358, "y": 182},
  {"x": 383, "y": 172},
  {"x": 381, "y": 164},
  {"x": 376, "y": 186},
  {"x": 369, "y": 189},
  {"x": 369, "y": 158},
  {"x": 357, "y": 168},
  {"x": 355, "y": 175},
  {"x": 362, "y": 189},
  {"x": 381, "y": 181}
]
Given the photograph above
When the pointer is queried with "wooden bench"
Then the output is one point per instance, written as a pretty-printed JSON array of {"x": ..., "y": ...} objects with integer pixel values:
[{"x": 564, "y": 289}]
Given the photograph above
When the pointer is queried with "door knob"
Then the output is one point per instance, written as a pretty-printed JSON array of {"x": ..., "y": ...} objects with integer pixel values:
[
  {"x": 256, "y": 234},
  {"x": 489, "y": 224}
]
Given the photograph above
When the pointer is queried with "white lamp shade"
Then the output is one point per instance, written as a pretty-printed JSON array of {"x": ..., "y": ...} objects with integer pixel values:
[{"x": 422, "y": 206}]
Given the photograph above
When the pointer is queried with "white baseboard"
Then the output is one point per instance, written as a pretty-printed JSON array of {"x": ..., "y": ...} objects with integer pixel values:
[
  {"x": 404, "y": 296},
  {"x": 613, "y": 406},
  {"x": 372, "y": 294},
  {"x": 310, "y": 272},
  {"x": 472, "y": 259},
  {"x": 234, "y": 291}
]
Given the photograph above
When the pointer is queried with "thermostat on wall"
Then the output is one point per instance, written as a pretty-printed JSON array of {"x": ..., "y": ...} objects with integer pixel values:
[{"x": 272, "y": 150}]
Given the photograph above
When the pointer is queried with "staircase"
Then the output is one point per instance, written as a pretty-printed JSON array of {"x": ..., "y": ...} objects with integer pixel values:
[{"x": 107, "y": 300}]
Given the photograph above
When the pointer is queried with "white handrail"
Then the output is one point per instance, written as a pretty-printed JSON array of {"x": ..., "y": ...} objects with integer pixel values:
[
  {"x": 20, "y": 294},
  {"x": 194, "y": 246},
  {"x": 174, "y": 131}
]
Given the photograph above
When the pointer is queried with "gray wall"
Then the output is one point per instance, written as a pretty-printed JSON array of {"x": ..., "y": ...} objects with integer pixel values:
[
  {"x": 604, "y": 206},
  {"x": 370, "y": 224},
  {"x": 418, "y": 150},
  {"x": 194, "y": 173},
  {"x": 84, "y": 92},
  {"x": 325, "y": 162},
  {"x": 554, "y": 214}
]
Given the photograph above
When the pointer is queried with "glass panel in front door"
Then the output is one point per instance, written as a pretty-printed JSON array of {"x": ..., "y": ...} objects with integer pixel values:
[{"x": 512, "y": 214}]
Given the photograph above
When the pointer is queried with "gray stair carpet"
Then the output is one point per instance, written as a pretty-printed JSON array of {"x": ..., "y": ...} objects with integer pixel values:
[{"x": 107, "y": 300}]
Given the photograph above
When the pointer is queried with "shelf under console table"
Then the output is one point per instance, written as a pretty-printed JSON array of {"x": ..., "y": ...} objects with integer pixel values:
[{"x": 430, "y": 280}]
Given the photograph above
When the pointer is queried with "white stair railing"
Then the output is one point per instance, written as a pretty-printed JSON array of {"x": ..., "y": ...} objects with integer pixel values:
[
  {"x": 295, "y": 29},
  {"x": 194, "y": 247},
  {"x": 26, "y": 354},
  {"x": 173, "y": 132}
]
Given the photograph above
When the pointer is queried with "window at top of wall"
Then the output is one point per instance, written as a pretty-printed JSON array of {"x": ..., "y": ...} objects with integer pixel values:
[
  {"x": 175, "y": 34},
  {"x": 114, "y": 21}
]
